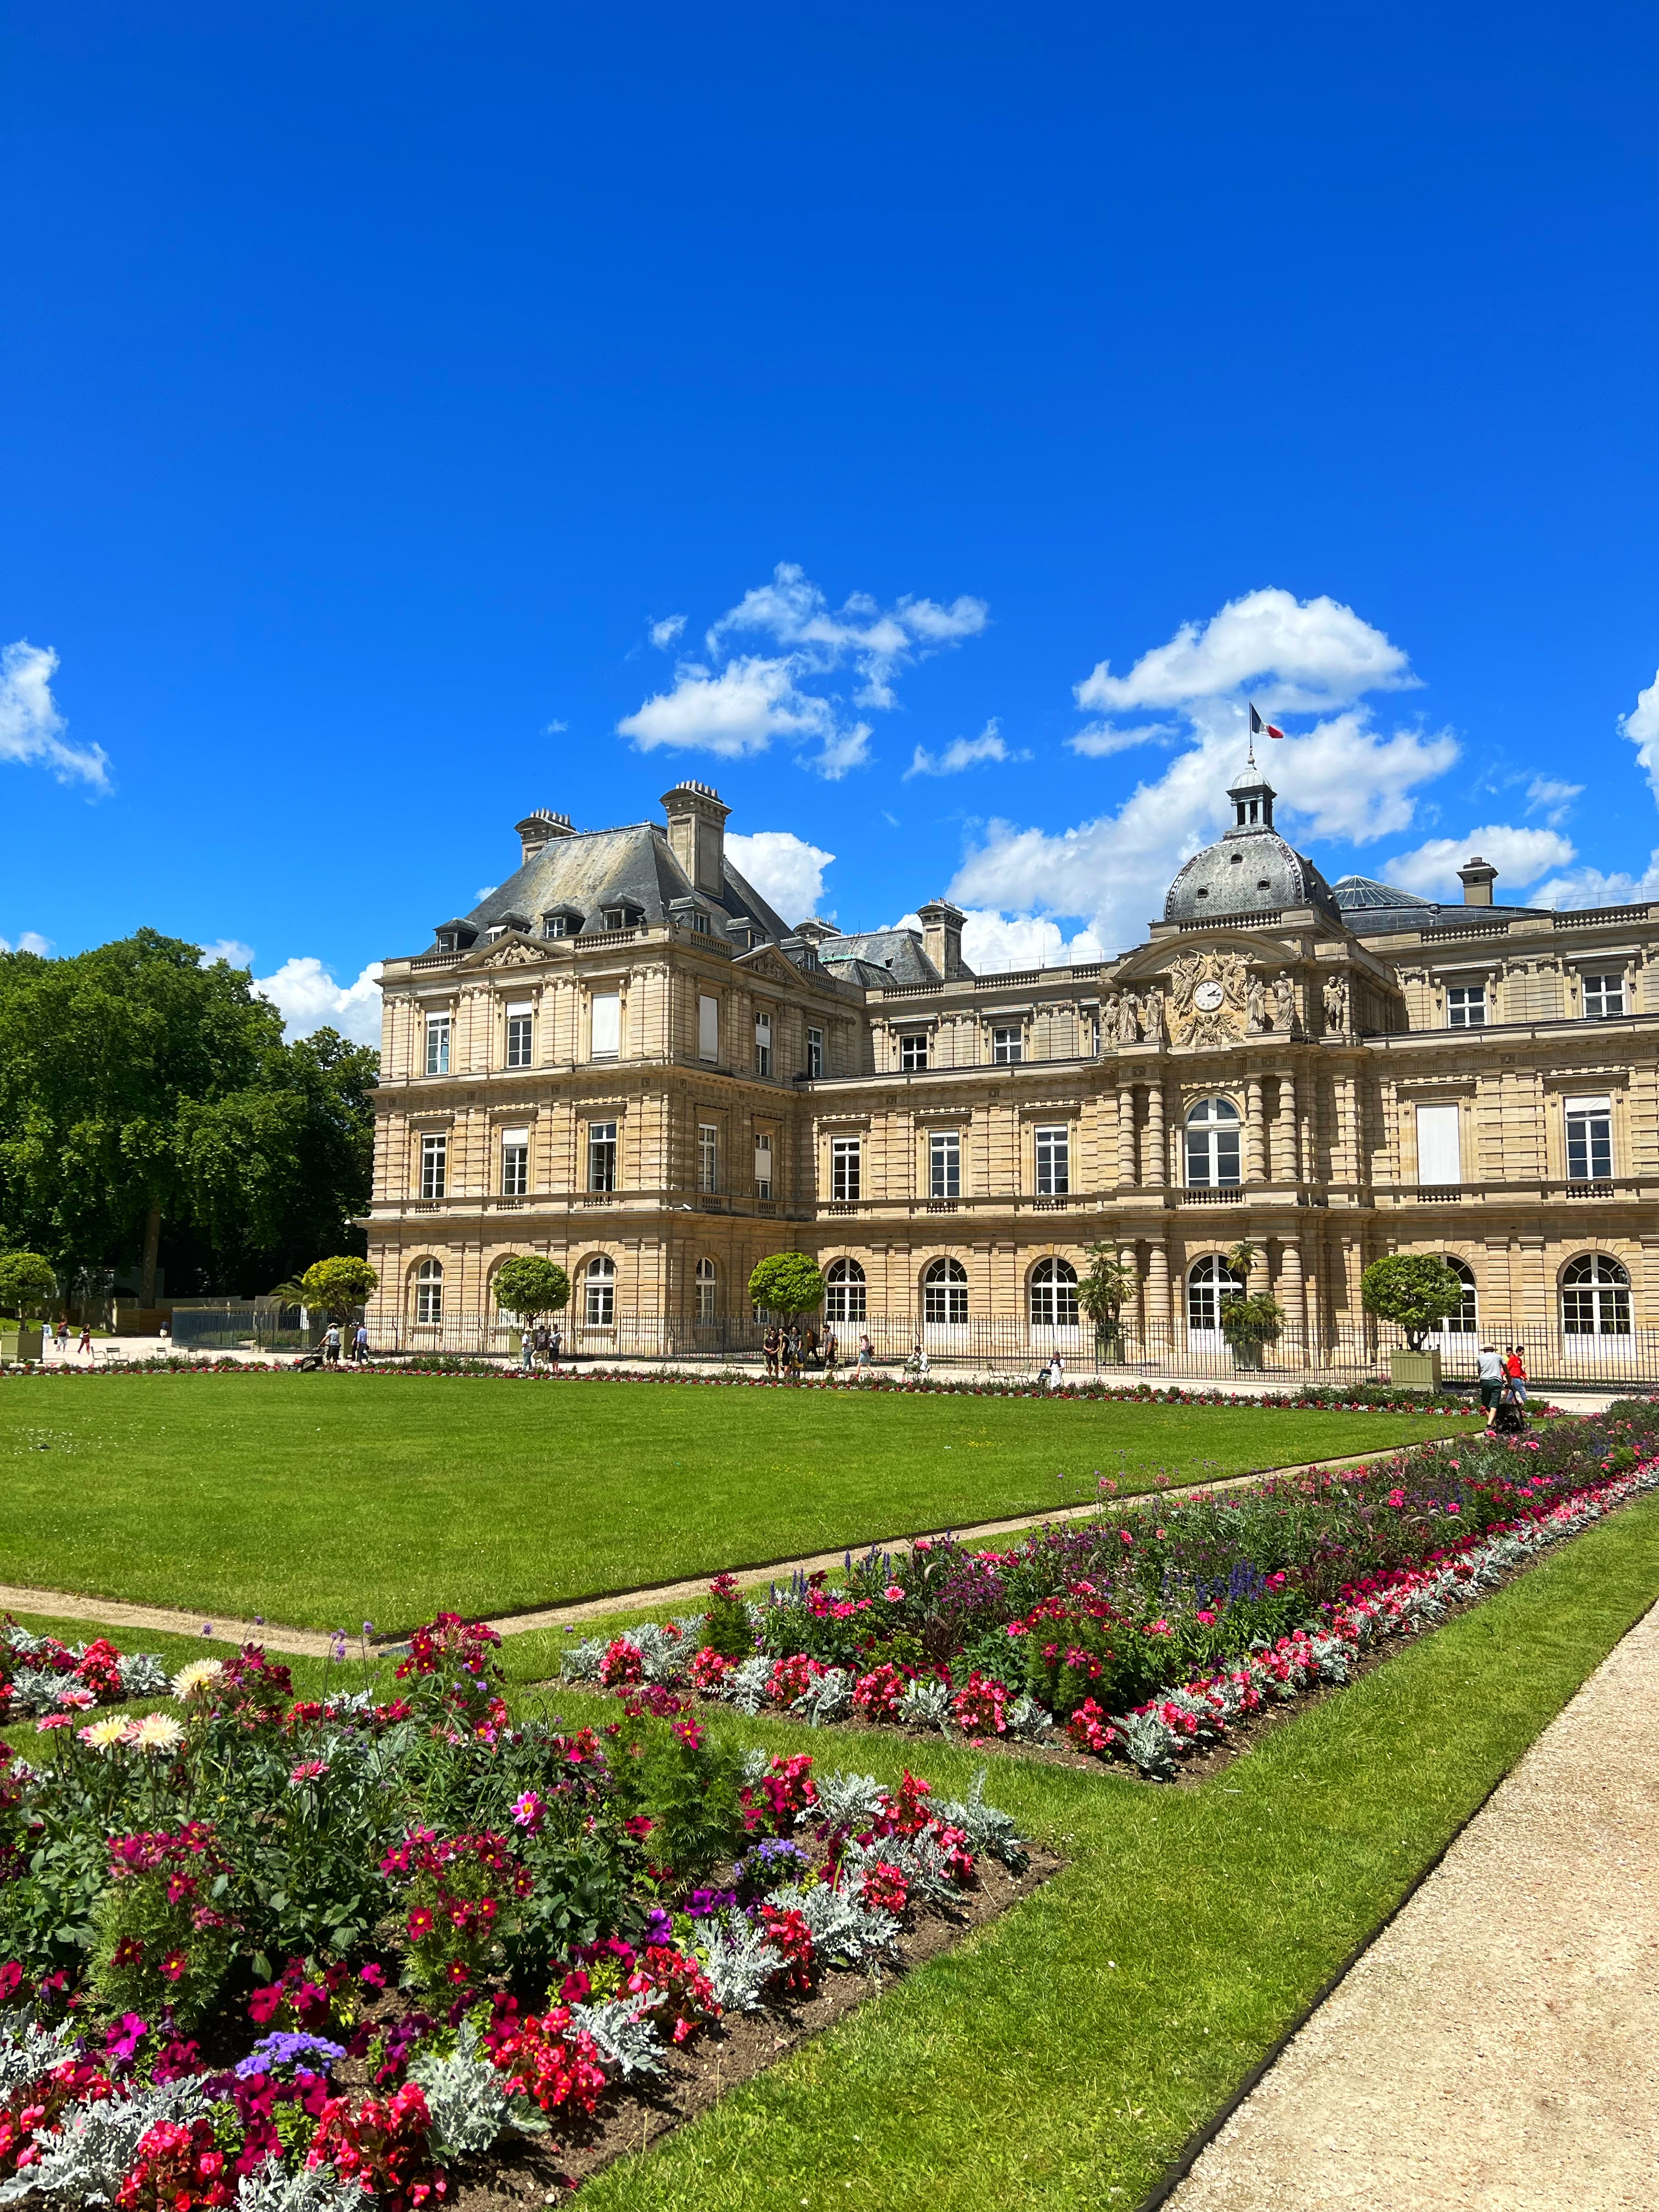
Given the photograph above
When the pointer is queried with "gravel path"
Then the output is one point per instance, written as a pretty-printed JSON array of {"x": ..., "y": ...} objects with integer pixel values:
[{"x": 1497, "y": 2047}]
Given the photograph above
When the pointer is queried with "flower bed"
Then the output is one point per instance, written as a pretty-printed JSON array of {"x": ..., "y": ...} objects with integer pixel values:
[
  {"x": 1149, "y": 1630},
  {"x": 39, "y": 1676},
  {"x": 276, "y": 1952}
]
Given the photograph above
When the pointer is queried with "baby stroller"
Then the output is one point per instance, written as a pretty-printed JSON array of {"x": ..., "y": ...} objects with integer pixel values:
[{"x": 1510, "y": 1417}]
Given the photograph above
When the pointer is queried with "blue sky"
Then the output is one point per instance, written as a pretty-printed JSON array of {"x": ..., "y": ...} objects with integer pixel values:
[{"x": 978, "y": 405}]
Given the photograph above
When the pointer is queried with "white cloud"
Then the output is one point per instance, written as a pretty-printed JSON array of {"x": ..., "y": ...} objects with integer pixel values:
[
  {"x": 30, "y": 941},
  {"x": 308, "y": 998},
  {"x": 735, "y": 704},
  {"x": 230, "y": 949},
  {"x": 664, "y": 633},
  {"x": 485, "y": 891},
  {"x": 31, "y": 727},
  {"x": 786, "y": 871},
  {"x": 1100, "y": 740},
  {"x": 1306, "y": 654},
  {"x": 1548, "y": 796},
  {"x": 1641, "y": 727},
  {"x": 964, "y": 753},
  {"x": 555, "y": 729},
  {"x": 993, "y": 943},
  {"x": 1520, "y": 854}
]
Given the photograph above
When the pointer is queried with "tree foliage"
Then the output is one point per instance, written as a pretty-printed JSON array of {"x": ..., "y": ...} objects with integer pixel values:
[
  {"x": 786, "y": 1283},
  {"x": 337, "y": 1287},
  {"x": 1415, "y": 1290},
  {"x": 28, "y": 1284},
  {"x": 1255, "y": 1318},
  {"x": 1108, "y": 1285},
  {"x": 147, "y": 1101},
  {"x": 530, "y": 1286}
]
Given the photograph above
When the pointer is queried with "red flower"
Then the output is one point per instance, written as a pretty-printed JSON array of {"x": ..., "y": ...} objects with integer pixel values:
[{"x": 175, "y": 1966}]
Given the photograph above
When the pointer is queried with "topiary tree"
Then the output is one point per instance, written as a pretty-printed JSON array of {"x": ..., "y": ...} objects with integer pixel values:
[
  {"x": 1413, "y": 1289},
  {"x": 28, "y": 1284},
  {"x": 337, "y": 1287},
  {"x": 786, "y": 1283},
  {"x": 1104, "y": 1292},
  {"x": 531, "y": 1287}
]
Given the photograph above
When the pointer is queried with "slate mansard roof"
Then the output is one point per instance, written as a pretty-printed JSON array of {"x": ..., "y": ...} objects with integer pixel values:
[
  {"x": 1374, "y": 909},
  {"x": 879, "y": 957},
  {"x": 595, "y": 869}
]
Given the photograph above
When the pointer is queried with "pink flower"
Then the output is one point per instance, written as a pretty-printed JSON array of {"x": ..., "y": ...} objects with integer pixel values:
[
  {"x": 1207, "y": 1619},
  {"x": 527, "y": 1811},
  {"x": 1396, "y": 1497},
  {"x": 307, "y": 1770},
  {"x": 922, "y": 1544},
  {"x": 893, "y": 1594},
  {"x": 54, "y": 1721}
]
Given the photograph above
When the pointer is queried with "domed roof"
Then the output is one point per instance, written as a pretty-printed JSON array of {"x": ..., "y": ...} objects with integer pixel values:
[{"x": 1251, "y": 871}]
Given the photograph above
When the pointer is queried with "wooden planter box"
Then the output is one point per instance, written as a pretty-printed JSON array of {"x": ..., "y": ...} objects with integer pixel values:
[{"x": 1414, "y": 1370}]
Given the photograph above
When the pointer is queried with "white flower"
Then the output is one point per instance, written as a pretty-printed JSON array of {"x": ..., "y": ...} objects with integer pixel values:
[
  {"x": 197, "y": 1676},
  {"x": 157, "y": 1732},
  {"x": 103, "y": 1735}
]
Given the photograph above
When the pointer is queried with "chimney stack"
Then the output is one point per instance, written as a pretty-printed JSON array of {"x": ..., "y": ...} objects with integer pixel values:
[
  {"x": 696, "y": 834},
  {"x": 941, "y": 937},
  {"x": 1477, "y": 877},
  {"x": 540, "y": 828}
]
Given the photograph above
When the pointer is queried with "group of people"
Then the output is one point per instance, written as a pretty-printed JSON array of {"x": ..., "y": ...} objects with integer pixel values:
[
  {"x": 1502, "y": 1378},
  {"x": 788, "y": 1350},
  {"x": 334, "y": 1345},
  {"x": 60, "y": 1337},
  {"x": 540, "y": 1346}
]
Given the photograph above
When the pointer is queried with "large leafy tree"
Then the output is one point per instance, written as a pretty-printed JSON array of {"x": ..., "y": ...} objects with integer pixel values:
[
  {"x": 143, "y": 1095},
  {"x": 786, "y": 1283}
]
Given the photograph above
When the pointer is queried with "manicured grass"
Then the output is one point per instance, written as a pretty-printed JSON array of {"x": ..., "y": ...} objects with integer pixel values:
[
  {"x": 328, "y": 1499},
  {"x": 1062, "y": 2056}
]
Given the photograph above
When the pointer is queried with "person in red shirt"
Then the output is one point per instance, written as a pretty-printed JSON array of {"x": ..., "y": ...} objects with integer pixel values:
[{"x": 1514, "y": 1369}]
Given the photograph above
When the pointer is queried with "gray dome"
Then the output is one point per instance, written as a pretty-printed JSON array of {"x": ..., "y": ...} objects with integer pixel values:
[{"x": 1251, "y": 871}]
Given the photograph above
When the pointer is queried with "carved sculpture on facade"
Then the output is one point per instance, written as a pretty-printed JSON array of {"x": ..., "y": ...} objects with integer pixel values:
[
  {"x": 1283, "y": 1004},
  {"x": 1256, "y": 1003},
  {"x": 1152, "y": 1018},
  {"x": 1128, "y": 1029},
  {"x": 1336, "y": 1005},
  {"x": 1208, "y": 996}
]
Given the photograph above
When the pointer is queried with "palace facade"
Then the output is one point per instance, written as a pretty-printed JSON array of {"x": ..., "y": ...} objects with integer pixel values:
[{"x": 623, "y": 1059}]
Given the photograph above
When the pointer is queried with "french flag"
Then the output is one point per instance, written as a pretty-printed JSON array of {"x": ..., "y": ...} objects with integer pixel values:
[{"x": 1257, "y": 726}]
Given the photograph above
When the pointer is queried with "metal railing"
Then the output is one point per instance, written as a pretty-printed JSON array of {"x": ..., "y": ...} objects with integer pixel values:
[{"x": 239, "y": 1325}]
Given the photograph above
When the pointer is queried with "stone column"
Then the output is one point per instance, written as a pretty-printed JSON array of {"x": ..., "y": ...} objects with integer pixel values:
[
  {"x": 1290, "y": 1292},
  {"x": 1155, "y": 1151},
  {"x": 1130, "y": 1311},
  {"x": 1287, "y": 1165},
  {"x": 1126, "y": 1134},
  {"x": 1347, "y": 1125},
  {"x": 1255, "y": 1144},
  {"x": 1157, "y": 1293}
]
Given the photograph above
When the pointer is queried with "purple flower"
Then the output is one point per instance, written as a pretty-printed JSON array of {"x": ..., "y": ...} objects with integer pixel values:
[
  {"x": 125, "y": 2038},
  {"x": 659, "y": 1926},
  {"x": 272, "y": 2051},
  {"x": 702, "y": 1904}
]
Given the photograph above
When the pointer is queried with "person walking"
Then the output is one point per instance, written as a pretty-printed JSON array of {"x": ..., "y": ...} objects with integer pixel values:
[
  {"x": 360, "y": 1343},
  {"x": 331, "y": 1345},
  {"x": 867, "y": 1355},
  {"x": 831, "y": 1348},
  {"x": 554, "y": 1346},
  {"x": 1515, "y": 1368},
  {"x": 1489, "y": 1372},
  {"x": 85, "y": 1344},
  {"x": 771, "y": 1344},
  {"x": 1056, "y": 1373}
]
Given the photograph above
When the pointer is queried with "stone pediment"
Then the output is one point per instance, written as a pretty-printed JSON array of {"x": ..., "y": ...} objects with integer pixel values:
[
  {"x": 771, "y": 966},
  {"x": 1205, "y": 995}
]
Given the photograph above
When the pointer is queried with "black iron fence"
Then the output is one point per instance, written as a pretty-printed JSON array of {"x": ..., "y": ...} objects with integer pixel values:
[{"x": 239, "y": 1325}]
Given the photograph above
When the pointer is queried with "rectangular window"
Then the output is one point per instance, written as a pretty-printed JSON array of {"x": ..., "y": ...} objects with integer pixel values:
[
  {"x": 1589, "y": 1139},
  {"x": 515, "y": 1163},
  {"x": 708, "y": 1155},
  {"x": 1466, "y": 1006},
  {"x": 762, "y": 1044},
  {"x": 913, "y": 1050},
  {"x": 434, "y": 1163},
  {"x": 846, "y": 1170},
  {"x": 1603, "y": 995},
  {"x": 1053, "y": 1162},
  {"x": 1008, "y": 1047},
  {"x": 945, "y": 1165},
  {"x": 607, "y": 1025},
  {"x": 437, "y": 1044},
  {"x": 764, "y": 1167},
  {"x": 601, "y": 1155},
  {"x": 814, "y": 1054},
  {"x": 556, "y": 924},
  {"x": 709, "y": 1028},
  {"x": 520, "y": 1025},
  {"x": 1438, "y": 1154}
]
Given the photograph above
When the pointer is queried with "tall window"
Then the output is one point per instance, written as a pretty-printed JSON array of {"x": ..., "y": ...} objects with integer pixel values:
[
  {"x": 1439, "y": 1155},
  {"x": 1213, "y": 1143},
  {"x": 1603, "y": 995},
  {"x": 434, "y": 1164},
  {"x": 913, "y": 1049},
  {"x": 1465, "y": 1320},
  {"x": 429, "y": 1294},
  {"x": 844, "y": 1291},
  {"x": 763, "y": 1165},
  {"x": 1594, "y": 1297},
  {"x": 601, "y": 1155},
  {"x": 1209, "y": 1286},
  {"x": 1053, "y": 1294},
  {"x": 944, "y": 1293},
  {"x": 520, "y": 1024},
  {"x": 814, "y": 1054},
  {"x": 437, "y": 1044},
  {"x": 1466, "y": 1006},
  {"x": 1053, "y": 1162},
  {"x": 607, "y": 1041},
  {"x": 708, "y": 1027},
  {"x": 515, "y": 1163},
  {"x": 1008, "y": 1047},
  {"x": 845, "y": 1169},
  {"x": 945, "y": 1165},
  {"x": 708, "y": 1155},
  {"x": 600, "y": 1292},
  {"x": 707, "y": 1283},
  {"x": 1589, "y": 1140},
  {"x": 762, "y": 1044}
]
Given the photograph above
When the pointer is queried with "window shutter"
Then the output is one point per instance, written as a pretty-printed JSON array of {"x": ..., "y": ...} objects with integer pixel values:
[
  {"x": 1438, "y": 1157},
  {"x": 709, "y": 1029},
  {"x": 607, "y": 1025}
]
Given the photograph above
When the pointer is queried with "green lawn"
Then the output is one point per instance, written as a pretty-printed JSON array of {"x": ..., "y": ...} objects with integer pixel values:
[{"x": 326, "y": 1500}]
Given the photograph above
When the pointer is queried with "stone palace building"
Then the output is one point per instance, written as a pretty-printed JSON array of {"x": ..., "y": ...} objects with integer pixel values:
[{"x": 623, "y": 1059}]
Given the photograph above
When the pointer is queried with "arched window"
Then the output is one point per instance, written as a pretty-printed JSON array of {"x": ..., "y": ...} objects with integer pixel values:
[
  {"x": 1464, "y": 1320},
  {"x": 945, "y": 1292},
  {"x": 429, "y": 1294},
  {"x": 1209, "y": 1286},
  {"x": 707, "y": 1281},
  {"x": 844, "y": 1291},
  {"x": 1053, "y": 1294},
  {"x": 599, "y": 1309},
  {"x": 1594, "y": 1297},
  {"x": 1211, "y": 1144}
]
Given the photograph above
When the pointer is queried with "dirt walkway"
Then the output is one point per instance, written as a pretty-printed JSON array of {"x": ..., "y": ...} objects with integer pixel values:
[
  {"x": 1497, "y": 2047},
  {"x": 313, "y": 1642}
]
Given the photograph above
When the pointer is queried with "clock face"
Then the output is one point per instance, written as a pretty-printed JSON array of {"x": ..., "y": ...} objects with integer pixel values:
[{"x": 1208, "y": 997}]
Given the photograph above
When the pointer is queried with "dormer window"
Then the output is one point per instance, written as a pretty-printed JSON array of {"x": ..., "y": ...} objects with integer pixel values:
[
  {"x": 621, "y": 917},
  {"x": 562, "y": 922},
  {"x": 455, "y": 936}
]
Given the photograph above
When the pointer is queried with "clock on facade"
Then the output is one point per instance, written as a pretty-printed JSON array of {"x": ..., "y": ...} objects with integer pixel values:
[{"x": 1208, "y": 997}]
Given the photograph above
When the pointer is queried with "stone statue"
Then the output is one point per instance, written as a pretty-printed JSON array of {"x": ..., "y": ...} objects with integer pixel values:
[
  {"x": 1152, "y": 1018},
  {"x": 1285, "y": 1003},
  {"x": 1128, "y": 1029},
  {"x": 1336, "y": 1004},
  {"x": 1256, "y": 1001}
]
